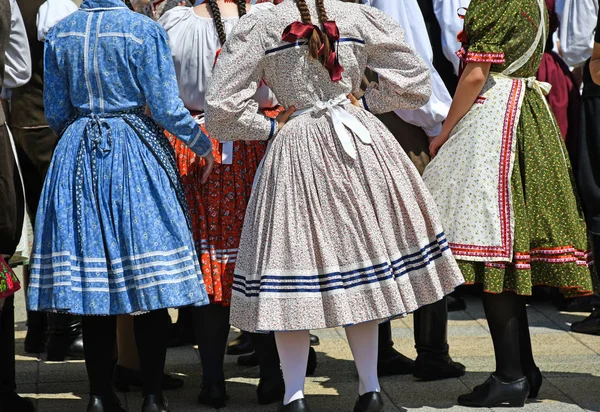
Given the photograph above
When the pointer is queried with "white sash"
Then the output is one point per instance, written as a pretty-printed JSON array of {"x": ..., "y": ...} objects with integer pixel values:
[{"x": 342, "y": 121}]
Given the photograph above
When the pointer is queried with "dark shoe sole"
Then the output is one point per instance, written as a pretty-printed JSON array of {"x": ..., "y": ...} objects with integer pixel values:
[{"x": 514, "y": 403}]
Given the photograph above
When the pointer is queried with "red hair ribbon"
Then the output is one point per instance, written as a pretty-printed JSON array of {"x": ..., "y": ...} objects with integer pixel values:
[{"x": 299, "y": 30}]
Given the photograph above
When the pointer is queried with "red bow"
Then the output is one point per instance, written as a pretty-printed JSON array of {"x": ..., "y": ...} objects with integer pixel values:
[{"x": 298, "y": 30}]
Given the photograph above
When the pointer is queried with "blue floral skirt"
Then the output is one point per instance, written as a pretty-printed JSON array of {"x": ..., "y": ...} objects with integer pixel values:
[{"x": 112, "y": 233}]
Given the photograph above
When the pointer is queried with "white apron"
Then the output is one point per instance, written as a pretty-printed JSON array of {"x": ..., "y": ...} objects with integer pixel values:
[{"x": 470, "y": 178}]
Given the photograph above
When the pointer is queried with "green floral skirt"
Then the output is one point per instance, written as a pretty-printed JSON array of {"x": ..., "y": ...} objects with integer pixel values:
[{"x": 551, "y": 246}]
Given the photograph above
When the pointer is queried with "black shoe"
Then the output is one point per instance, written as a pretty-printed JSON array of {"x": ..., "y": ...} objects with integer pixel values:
[
  {"x": 241, "y": 345},
  {"x": 108, "y": 403},
  {"x": 34, "y": 344},
  {"x": 37, "y": 332},
  {"x": 589, "y": 326},
  {"x": 311, "y": 365},
  {"x": 299, "y": 405},
  {"x": 314, "y": 340},
  {"x": 369, "y": 402},
  {"x": 535, "y": 380},
  {"x": 494, "y": 392},
  {"x": 248, "y": 361},
  {"x": 433, "y": 367},
  {"x": 155, "y": 403},
  {"x": 125, "y": 378},
  {"x": 12, "y": 402},
  {"x": 581, "y": 304},
  {"x": 60, "y": 348},
  {"x": 213, "y": 395},
  {"x": 270, "y": 390},
  {"x": 456, "y": 303},
  {"x": 390, "y": 362}
]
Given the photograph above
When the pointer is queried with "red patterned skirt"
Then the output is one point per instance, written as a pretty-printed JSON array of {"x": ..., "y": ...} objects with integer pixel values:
[{"x": 219, "y": 206}]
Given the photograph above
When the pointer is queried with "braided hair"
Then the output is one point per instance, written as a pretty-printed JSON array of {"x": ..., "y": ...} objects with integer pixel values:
[
  {"x": 317, "y": 40},
  {"x": 216, "y": 12}
]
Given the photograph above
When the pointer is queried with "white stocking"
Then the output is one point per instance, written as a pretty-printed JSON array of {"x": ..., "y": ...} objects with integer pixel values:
[
  {"x": 363, "y": 340},
  {"x": 293, "y": 350}
]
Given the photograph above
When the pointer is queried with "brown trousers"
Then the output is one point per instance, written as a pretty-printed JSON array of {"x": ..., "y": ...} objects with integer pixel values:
[{"x": 413, "y": 139}]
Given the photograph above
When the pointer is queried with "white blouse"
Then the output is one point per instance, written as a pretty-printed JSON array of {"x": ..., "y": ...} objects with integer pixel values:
[
  {"x": 408, "y": 15},
  {"x": 194, "y": 44},
  {"x": 578, "y": 20},
  {"x": 51, "y": 13}
]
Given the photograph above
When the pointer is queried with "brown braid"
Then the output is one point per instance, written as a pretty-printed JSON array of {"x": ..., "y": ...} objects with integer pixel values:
[
  {"x": 315, "y": 41},
  {"x": 241, "y": 7},
  {"x": 322, "y": 19},
  {"x": 216, "y": 12}
]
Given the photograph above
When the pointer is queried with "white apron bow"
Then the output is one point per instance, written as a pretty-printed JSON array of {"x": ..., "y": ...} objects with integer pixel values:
[{"x": 342, "y": 120}]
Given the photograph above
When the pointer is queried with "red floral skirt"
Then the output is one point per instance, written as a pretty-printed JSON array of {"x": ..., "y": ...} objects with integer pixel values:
[{"x": 218, "y": 207}]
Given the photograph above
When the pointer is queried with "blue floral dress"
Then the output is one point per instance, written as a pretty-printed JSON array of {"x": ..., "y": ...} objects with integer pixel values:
[{"x": 112, "y": 230}]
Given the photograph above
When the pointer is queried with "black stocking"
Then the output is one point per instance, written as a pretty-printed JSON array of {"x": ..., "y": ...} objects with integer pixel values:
[
  {"x": 503, "y": 312},
  {"x": 151, "y": 340},
  {"x": 525, "y": 349},
  {"x": 99, "y": 337},
  {"x": 211, "y": 324}
]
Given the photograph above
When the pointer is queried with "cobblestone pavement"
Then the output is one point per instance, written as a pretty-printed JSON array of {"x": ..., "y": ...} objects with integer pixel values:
[{"x": 570, "y": 362}]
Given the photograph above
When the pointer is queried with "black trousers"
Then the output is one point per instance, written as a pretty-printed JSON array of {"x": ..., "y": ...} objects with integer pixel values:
[
  {"x": 12, "y": 210},
  {"x": 7, "y": 346}
]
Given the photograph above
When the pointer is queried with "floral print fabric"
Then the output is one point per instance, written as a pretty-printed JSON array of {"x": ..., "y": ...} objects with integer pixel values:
[{"x": 550, "y": 241}]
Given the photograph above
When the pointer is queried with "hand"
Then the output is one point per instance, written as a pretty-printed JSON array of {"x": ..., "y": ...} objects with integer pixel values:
[
  {"x": 436, "y": 143},
  {"x": 283, "y": 118},
  {"x": 354, "y": 100},
  {"x": 209, "y": 162}
]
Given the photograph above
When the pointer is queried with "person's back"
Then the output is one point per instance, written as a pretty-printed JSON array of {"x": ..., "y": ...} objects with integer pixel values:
[{"x": 103, "y": 45}]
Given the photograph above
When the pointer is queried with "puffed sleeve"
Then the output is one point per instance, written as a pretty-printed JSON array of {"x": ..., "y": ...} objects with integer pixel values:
[
  {"x": 489, "y": 25},
  {"x": 174, "y": 16},
  {"x": 156, "y": 75},
  {"x": 57, "y": 101},
  {"x": 404, "y": 80},
  {"x": 232, "y": 113}
]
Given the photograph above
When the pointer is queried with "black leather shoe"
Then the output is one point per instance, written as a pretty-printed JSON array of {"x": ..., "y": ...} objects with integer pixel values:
[
  {"x": 494, "y": 392},
  {"x": 155, "y": 403},
  {"x": 369, "y": 402},
  {"x": 456, "y": 303},
  {"x": 12, "y": 402},
  {"x": 299, "y": 405},
  {"x": 433, "y": 367},
  {"x": 314, "y": 340},
  {"x": 589, "y": 326},
  {"x": 270, "y": 390},
  {"x": 241, "y": 345},
  {"x": 108, "y": 403},
  {"x": 248, "y": 361},
  {"x": 311, "y": 365},
  {"x": 535, "y": 380},
  {"x": 390, "y": 362},
  {"x": 60, "y": 348},
  {"x": 213, "y": 395},
  {"x": 37, "y": 336},
  {"x": 125, "y": 378}
]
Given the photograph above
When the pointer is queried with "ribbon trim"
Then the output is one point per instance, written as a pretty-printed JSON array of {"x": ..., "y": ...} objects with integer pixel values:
[{"x": 299, "y": 30}]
